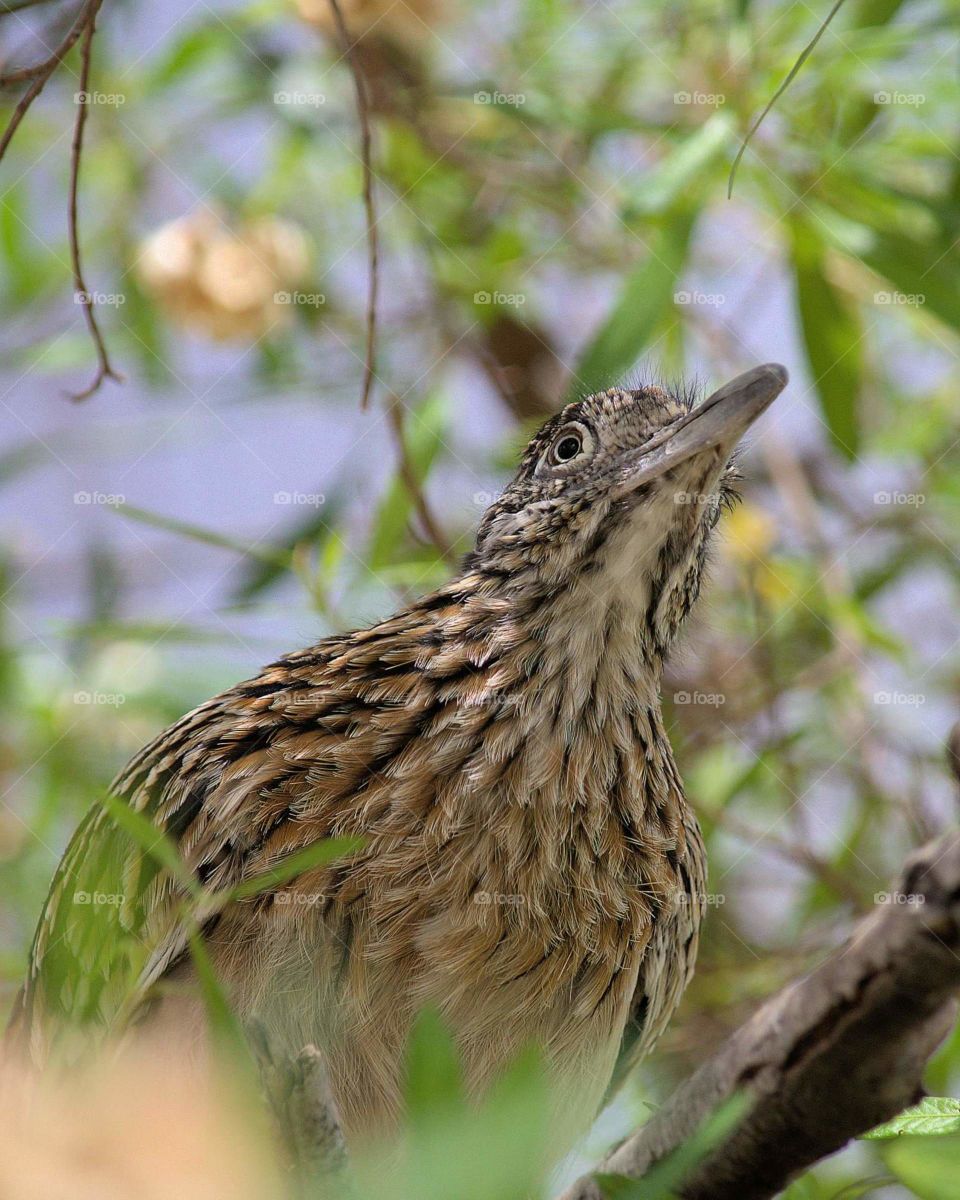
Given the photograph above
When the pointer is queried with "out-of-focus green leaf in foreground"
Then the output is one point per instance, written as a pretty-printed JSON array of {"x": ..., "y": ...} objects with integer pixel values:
[
  {"x": 833, "y": 341},
  {"x": 660, "y": 1182},
  {"x": 497, "y": 1150},
  {"x": 646, "y": 297},
  {"x": 929, "y": 1167}
]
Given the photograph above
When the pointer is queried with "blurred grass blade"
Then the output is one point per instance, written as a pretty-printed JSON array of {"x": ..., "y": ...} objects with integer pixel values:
[
  {"x": 833, "y": 341},
  {"x": 152, "y": 841},
  {"x": 921, "y": 271},
  {"x": 687, "y": 166},
  {"x": 646, "y": 300},
  {"x": 224, "y": 1023},
  {"x": 298, "y": 863},
  {"x": 661, "y": 1182},
  {"x": 261, "y": 574},
  {"x": 269, "y": 554},
  {"x": 792, "y": 74}
]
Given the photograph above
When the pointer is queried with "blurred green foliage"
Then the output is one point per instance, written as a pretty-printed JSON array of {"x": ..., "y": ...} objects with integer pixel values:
[{"x": 551, "y": 183}]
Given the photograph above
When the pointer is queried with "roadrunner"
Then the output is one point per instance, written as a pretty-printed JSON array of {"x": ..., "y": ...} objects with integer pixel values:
[{"x": 526, "y": 862}]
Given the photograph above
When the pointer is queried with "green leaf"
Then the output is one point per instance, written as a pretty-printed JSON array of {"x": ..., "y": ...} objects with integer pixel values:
[
  {"x": 274, "y": 555},
  {"x": 223, "y": 1020},
  {"x": 423, "y": 435},
  {"x": 662, "y": 1181},
  {"x": 315, "y": 526},
  {"x": 924, "y": 270},
  {"x": 833, "y": 341},
  {"x": 152, "y": 841},
  {"x": 646, "y": 297},
  {"x": 929, "y": 1167},
  {"x": 934, "y": 1115},
  {"x": 434, "y": 1079},
  {"x": 687, "y": 166},
  {"x": 298, "y": 863}
]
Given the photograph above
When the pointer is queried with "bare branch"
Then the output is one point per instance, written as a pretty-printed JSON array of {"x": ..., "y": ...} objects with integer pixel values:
[
  {"x": 373, "y": 239},
  {"x": 430, "y": 524},
  {"x": 104, "y": 369},
  {"x": 46, "y": 68},
  {"x": 791, "y": 75},
  {"x": 830, "y": 1056}
]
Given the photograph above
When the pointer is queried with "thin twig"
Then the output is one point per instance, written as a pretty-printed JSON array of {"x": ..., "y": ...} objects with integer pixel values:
[
  {"x": 104, "y": 369},
  {"x": 794, "y": 71},
  {"x": 23, "y": 105},
  {"x": 408, "y": 475},
  {"x": 46, "y": 68},
  {"x": 12, "y": 6},
  {"x": 373, "y": 243}
]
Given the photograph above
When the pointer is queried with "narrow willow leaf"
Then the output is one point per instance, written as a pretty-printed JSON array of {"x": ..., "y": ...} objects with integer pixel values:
[
  {"x": 269, "y": 554},
  {"x": 295, "y": 864},
  {"x": 152, "y": 841},
  {"x": 833, "y": 341},
  {"x": 644, "y": 301},
  {"x": 662, "y": 1180},
  {"x": 922, "y": 271},
  {"x": 685, "y": 167}
]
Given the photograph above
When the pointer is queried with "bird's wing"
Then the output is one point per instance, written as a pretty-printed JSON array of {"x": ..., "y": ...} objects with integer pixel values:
[
  {"x": 92, "y": 943},
  {"x": 265, "y": 769}
]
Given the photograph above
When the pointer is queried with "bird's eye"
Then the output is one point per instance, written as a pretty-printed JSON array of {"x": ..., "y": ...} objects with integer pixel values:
[
  {"x": 571, "y": 442},
  {"x": 568, "y": 447}
]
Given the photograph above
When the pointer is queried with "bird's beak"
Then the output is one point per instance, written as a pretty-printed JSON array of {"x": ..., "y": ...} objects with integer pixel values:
[{"x": 718, "y": 423}]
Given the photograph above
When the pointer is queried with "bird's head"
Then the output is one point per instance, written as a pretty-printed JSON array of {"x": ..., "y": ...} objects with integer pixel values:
[{"x": 616, "y": 497}]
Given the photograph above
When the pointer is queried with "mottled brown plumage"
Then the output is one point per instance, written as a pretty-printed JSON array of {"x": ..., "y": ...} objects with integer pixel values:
[{"x": 529, "y": 864}]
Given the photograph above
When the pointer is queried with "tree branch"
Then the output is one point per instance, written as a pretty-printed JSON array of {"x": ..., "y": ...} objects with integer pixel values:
[
  {"x": 827, "y": 1058},
  {"x": 366, "y": 158},
  {"x": 81, "y": 292}
]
